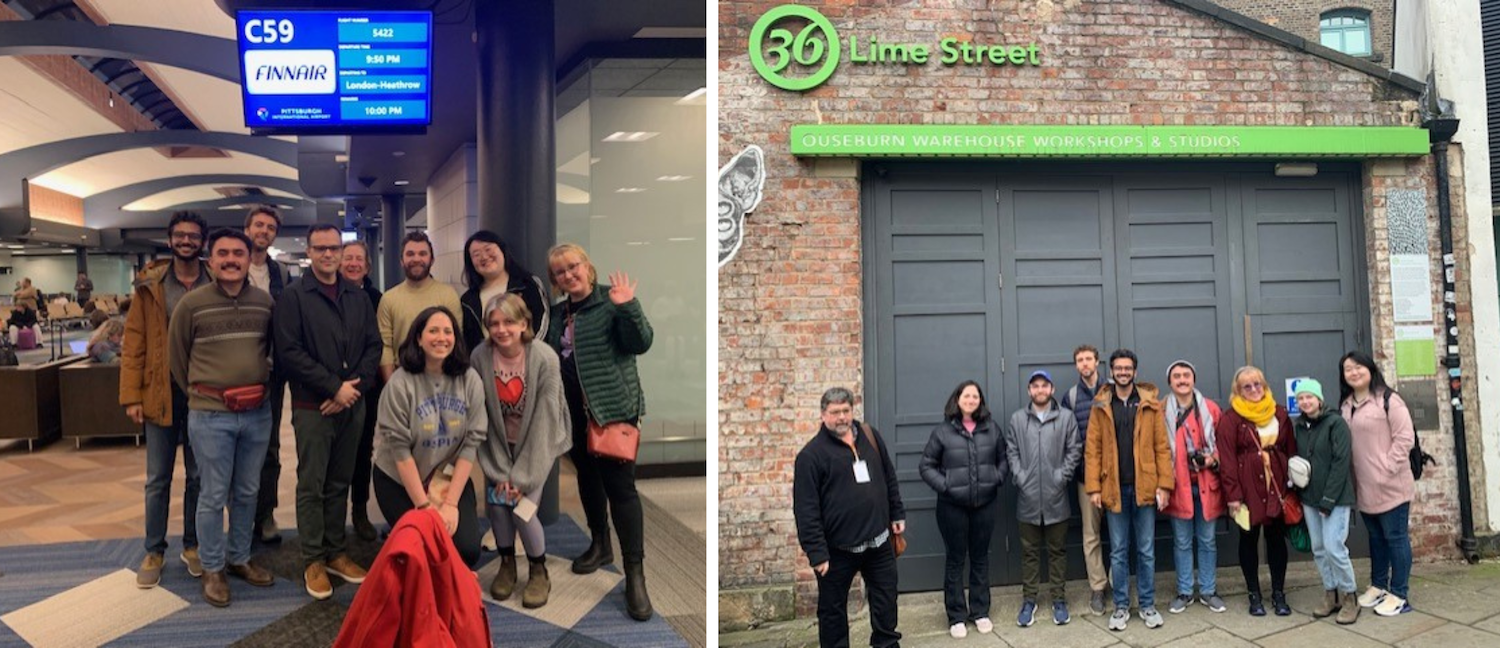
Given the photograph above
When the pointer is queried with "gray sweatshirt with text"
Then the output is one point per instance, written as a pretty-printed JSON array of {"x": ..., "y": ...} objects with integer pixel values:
[{"x": 431, "y": 419}]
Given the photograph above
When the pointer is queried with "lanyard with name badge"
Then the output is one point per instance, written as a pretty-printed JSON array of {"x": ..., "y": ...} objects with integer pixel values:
[{"x": 861, "y": 469}]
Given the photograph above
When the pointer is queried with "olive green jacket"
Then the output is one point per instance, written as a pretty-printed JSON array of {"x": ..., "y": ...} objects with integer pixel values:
[
  {"x": 1326, "y": 444},
  {"x": 607, "y": 338}
]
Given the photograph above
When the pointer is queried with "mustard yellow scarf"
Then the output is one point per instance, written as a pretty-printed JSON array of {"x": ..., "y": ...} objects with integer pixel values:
[{"x": 1261, "y": 413}]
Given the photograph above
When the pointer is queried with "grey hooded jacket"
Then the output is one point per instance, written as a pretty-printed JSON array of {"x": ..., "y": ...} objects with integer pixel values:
[
  {"x": 1043, "y": 450},
  {"x": 546, "y": 427}
]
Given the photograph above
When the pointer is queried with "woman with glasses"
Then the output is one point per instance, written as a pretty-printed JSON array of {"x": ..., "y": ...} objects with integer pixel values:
[
  {"x": 489, "y": 272},
  {"x": 1255, "y": 439},
  {"x": 1382, "y": 435},
  {"x": 597, "y": 331}
]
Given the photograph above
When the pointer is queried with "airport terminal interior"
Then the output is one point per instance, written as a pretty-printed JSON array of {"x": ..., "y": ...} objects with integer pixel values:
[{"x": 561, "y": 121}]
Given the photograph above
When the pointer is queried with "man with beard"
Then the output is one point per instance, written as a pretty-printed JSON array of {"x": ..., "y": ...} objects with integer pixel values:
[
  {"x": 1128, "y": 473},
  {"x": 327, "y": 347},
  {"x": 847, "y": 507},
  {"x": 355, "y": 266},
  {"x": 158, "y": 403},
  {"x": 220, "y": 355},
  {"x": 1042, "y": 447},
  {"x": 1079, "y": 399},
  {"x": 401, "y": 304},
  {"x": 261, "y": 225}
]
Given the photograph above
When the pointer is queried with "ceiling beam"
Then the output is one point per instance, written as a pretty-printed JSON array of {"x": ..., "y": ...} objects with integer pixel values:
[
  {"x": 216, "y": 57},
  {"x": 103, "y": 209}
]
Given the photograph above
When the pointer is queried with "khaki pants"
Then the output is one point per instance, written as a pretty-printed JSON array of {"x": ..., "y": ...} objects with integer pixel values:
[{"x": 1093, "y": 557}]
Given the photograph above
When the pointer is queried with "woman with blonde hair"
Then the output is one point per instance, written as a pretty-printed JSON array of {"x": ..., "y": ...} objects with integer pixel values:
[
  {"x": 1255, "y": 439},
  {"x": 597, "y": 331},
  {"x": 529, "y": 430},
  {"x": 104, "y": 344}
]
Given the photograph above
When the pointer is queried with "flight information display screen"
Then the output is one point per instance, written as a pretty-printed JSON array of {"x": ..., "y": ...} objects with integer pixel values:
[{"x": 335, "y": 71}]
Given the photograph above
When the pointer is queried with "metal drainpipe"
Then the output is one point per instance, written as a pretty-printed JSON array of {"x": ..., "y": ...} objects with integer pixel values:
[{"x": 1441, "y": 131}]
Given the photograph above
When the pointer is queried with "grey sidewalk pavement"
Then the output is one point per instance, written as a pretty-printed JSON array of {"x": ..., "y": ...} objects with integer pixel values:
[{"x": 1456, "y": 606}]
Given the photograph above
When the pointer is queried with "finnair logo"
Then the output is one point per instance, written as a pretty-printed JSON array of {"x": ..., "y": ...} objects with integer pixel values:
[{"x": 285, "y": 72}]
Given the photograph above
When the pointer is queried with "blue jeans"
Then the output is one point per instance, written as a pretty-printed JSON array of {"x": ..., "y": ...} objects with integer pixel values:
[
  {"x": 1136, "y": 523},
  {"x": 1390, "y": 549},
  {"x": 161, "y": 462},
  {"x": 230, "y": 448},
  {"x": 1330, "y": 549},
  {"x": 1184, "y": 532}
]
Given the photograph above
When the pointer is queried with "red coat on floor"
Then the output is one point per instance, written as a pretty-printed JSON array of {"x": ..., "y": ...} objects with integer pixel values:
[{"x": 419, "y": 593}]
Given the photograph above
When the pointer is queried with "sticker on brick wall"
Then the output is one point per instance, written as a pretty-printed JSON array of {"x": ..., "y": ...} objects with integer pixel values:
[
  {"x": 1411, "y": 274},
  {"x": 740, "y": 184}
]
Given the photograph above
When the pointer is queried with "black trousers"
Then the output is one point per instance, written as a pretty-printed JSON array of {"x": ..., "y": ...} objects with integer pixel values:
[
  {"x": 878, "y": 567},
  {"x": 605, "y": 486},
  {"x": 395, "y": 502},
  {"x": 359, "y": 484},
  {"x": 1275, "y": 531},
  {"x": 966, "y": 535},
  {"x": 270, "y": 471},
  {"x": 325, "y": 460}
]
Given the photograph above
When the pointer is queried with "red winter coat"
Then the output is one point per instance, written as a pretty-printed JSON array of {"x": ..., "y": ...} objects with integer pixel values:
[
  {"x": 1180, "y": 505},
  {"x": 1243, "y": 473},
  {"x": 419, "y": 593}
]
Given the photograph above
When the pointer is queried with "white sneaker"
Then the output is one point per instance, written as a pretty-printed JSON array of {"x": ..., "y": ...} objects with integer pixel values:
[
  {"x": 1392, "y": 605},
  {"x": 958, "y": 631},
  {"x": 984, "y": 625},
  {"x": 1371, "y": 597}
]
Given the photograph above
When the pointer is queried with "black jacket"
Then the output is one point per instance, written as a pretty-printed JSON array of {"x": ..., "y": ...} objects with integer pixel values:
[
  {"x": 831, "y": 508},
  {"x": 528, "y": 287},
  {"x": 963, "y": 469},
  {"x": 320, "y": 343}
]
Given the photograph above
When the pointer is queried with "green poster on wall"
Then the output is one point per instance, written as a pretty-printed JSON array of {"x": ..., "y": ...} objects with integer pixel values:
[{"x": 1416, "y": 351}]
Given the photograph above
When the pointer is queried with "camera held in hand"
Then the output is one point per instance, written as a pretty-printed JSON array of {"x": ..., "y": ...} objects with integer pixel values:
[{"x": 1199, "y": 460}]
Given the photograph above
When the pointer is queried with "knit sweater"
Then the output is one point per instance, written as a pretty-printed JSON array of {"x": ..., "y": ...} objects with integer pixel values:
[
  {"x": 400, "y": 306},
  {"x": 1380, "y": 444},
  {"x": 546, "y": 429},
  {"x": 220, "y": 341},
  {"x": 606, "y": 340},
  {"x": 430, "y": 419}
]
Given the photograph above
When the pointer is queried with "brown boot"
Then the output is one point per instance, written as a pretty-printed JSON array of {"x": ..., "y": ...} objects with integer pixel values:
[
  {"x": 216, "y": 588},
  {"x": 505, "y": 579},
  {"x": 1329, "y": 606},
  {"x": 538, "y": 585},
  {"x": 1351, "y": 609}
]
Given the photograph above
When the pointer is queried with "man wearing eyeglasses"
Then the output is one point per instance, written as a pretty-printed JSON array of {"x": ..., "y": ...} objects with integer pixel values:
[
  {"x": 328, "y": 347},
  {"x": 150, "y": 397}
]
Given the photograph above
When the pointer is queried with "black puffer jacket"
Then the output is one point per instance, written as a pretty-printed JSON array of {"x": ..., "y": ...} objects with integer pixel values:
[{"x": 963, "y": 469}]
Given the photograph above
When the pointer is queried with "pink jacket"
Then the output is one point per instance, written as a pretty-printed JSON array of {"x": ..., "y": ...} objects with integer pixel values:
[
  {"x": 1381, "y": 443},
  {"x": 1180, "y": 505}
]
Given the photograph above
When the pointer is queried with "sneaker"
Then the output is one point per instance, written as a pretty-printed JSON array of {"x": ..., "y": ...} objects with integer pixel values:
[
  {"x": 194, "y": 565},
  {"x": 1151, "y": 617},
  {"x": 1096, "y": 602},
  {"x": 1027, "y": 615},
  {"x": 316, "y": 577},
  {"x": 958, "y": 631},
  {"x": 1278, "y": 604},
  {"x": 346, "y": 569},
  {"x": 1372, "y": 597},
  {"x": 1392, "y": 605},
  {"x": 984, "y": 625},
  {"x": 1257, "y": 608},
  {"x": 1060, "y": 614},
  {"x": 1118, "y": 619},
  {"x": 149, "y": 575},
  {"x": 1214, "y": 603},
  {"x": 1180, "y": 603},
  {"x": 269, "y": 532}
]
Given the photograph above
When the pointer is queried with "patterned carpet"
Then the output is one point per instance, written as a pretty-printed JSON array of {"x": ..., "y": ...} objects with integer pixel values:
[{"x": 74, "y": 594}]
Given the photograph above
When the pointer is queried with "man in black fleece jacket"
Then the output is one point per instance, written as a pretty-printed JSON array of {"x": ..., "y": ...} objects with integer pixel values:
[{"x": 847, "y": 506}]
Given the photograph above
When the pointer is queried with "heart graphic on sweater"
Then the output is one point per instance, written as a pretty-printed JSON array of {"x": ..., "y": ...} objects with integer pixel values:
[{"x": 509, "y": 391}]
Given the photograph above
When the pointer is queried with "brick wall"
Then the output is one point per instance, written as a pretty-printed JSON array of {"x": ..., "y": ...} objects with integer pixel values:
[
  {"x": 1301, "y": 17},
  {"x": 790, "y": 303}
]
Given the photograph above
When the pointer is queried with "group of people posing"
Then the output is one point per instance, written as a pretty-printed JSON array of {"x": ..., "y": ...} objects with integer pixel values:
[
  {"x": 406, "y": 391},
  {"x": 1129, "y": 452}
]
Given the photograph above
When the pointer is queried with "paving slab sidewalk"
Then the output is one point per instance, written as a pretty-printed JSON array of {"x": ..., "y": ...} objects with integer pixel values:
[{"x": 1456, "y": 606}]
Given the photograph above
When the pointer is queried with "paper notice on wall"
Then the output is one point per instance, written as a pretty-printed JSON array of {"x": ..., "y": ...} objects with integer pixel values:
[
  {"x": 1411, "y": 288},
  {"x": 1416, "y": 351}
]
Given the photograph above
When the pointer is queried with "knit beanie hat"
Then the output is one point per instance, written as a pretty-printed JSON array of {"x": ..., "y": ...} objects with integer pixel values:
[
  {"x": 1182, "y": 363},
  {"x": 1309, "y": 386}
]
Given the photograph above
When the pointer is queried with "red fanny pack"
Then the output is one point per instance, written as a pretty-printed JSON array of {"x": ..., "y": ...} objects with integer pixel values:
[{"x": 236, "y": 399}]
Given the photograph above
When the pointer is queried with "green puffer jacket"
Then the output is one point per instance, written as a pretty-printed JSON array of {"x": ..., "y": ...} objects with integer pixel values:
[
  {"x": 1325, "y": 444},
  {"x": 607, "y": 338}
]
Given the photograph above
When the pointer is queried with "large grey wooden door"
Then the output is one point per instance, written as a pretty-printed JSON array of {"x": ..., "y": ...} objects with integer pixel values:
[{"x": 988, "y": 272}]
